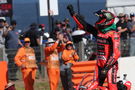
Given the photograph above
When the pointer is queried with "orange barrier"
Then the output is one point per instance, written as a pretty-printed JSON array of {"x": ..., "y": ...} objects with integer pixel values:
[
  {"x": 77, "y": 81},
  {"x": 84, "y": 63},
  {"x": 82, "y": 69},
  {"x": 84, "y": 66},
  {"x": 80, "y": 75},
  {"x": 3, "y": 75}
]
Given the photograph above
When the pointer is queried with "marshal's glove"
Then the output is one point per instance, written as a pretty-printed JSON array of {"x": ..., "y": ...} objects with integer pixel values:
[{"x": 71, "y": 9}]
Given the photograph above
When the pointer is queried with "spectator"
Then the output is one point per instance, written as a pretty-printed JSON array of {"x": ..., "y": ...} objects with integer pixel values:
[
  {"x": 51, "y": 56},
  {"x": 43, "y": 36},
  {"x": 41, "y": 29},
  {"x": 122, "y": 26},
  {"x": 131, "y": 26},
  {"x": 4, "y": 25},
  {"x": 127, "y": 18},
  {"x": 67, "y": 34},
  {"x": 25, "y": 58},
  {"x": 12, "y": 37},
  {"x": 124, "y": 33},
  {"x": 12, "y": 42},
  {"x": 32, "y": 33},
  {"x": 2, "y": 42},
  {"x": 63, "y": 26},
  {"x": 3, "y": 21},
  {"x": 57, "y": 25},
  {"x": 66, "y": 20},
  {"x": 57, "y": 28},
  {"x": 69, "y": 56},
  {"x": 2, "y": 39}
]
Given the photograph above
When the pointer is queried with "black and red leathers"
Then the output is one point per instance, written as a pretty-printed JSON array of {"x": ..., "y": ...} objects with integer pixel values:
[{"x": 107, "y": 51}]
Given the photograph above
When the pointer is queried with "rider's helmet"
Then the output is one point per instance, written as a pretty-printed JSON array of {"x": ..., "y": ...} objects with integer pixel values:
[{"x": 106, "y": 18}]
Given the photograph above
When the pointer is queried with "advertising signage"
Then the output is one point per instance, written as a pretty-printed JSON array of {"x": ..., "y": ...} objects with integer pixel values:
[{"x": 5, "y": 8}]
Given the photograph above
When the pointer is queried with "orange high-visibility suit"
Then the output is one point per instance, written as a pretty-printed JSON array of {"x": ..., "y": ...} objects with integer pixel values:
[
  {"x": 69, "y": 56},
  {"x": 53, "y": 70},
  {"x": 3, "y": 75},
  {"x": 26, "y": 57}
]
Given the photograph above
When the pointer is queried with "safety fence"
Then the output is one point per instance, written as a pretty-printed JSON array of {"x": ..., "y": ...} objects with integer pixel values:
[
  {"x": 14, "y": 71},
  {"x": 85, "y": 51}
]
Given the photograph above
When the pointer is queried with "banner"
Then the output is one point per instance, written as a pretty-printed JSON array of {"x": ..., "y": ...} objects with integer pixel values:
[
  {"x": 5, "y": 8},
  {"x": 43, "y": 6}
]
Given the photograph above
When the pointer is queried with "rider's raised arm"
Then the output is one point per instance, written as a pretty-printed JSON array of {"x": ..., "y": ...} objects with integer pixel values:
[{"x": 82, "y": 24}]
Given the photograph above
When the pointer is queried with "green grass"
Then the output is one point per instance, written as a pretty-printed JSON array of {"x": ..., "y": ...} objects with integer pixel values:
[{"x": 39, "y": 85}]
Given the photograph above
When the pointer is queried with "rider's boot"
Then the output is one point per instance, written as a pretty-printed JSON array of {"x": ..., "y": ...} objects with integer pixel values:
[{"x": 112, "y": 86}]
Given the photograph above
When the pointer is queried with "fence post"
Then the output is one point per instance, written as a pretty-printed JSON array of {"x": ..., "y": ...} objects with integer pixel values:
[
  {"x": 42, "y": 59},
  {"x": 1, "y": 54},
  {"x": 80, "y": 50}
]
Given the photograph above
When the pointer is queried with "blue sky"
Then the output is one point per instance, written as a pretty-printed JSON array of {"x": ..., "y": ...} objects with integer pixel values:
[
  {"x": 28, "y": 1},
  {"x": 87, "y": 7}
]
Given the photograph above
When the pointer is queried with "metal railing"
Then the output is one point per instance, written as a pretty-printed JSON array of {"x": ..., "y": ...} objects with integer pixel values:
[
  {"x": 85, "y": 52},
  {"x": 14, "y": 71}
]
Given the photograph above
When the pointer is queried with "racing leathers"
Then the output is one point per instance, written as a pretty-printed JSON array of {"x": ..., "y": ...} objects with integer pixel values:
[{"x": 107, "y": 52}]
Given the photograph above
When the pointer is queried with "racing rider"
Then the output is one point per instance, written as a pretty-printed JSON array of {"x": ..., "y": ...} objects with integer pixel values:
[{"x": 108, "y": 41}]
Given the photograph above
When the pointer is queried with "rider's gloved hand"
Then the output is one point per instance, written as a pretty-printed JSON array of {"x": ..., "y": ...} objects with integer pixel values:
[
  {"x": 71, "y": 9},
  {"x": 110, "y": 63},
  {"x": 104, "y": 70}
]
